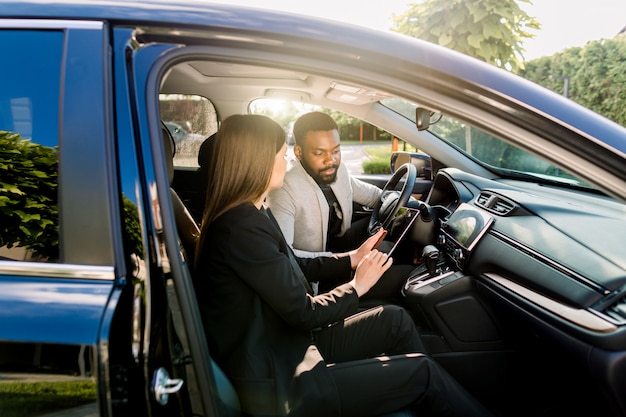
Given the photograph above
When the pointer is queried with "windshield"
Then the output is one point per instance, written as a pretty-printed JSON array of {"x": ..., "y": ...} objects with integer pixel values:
[{"x": 490, "y": 151}]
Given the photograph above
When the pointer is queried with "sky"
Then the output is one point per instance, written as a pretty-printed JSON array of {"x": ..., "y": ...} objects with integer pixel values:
[{"x": 565, "y": 23}]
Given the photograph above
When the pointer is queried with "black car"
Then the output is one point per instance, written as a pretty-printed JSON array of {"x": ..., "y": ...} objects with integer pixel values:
[{"x": 515, "y": 227}]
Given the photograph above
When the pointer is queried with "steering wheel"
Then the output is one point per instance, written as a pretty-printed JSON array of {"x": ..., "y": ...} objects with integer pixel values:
[{"x": 391, "y": 201}]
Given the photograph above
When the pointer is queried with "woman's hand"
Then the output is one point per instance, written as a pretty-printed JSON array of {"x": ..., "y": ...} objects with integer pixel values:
[
  {"x": 358, "y": 254},
  {"x": 369, "y": 271}
]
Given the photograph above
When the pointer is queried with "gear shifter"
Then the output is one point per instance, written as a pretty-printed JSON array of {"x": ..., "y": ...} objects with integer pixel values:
[{"x": 430, "y": 253}]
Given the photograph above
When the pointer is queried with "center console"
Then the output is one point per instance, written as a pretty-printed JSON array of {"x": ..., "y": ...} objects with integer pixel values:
[
  {"x": 458, "y": 236},
  {"x": 462, "y": 231},
  {"x": 441, "y": 294}
]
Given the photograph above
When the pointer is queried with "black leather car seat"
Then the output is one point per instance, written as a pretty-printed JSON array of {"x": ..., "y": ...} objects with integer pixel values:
[
  {"x": 188, "y": 231},
  {"x": 197, "y": 197}
]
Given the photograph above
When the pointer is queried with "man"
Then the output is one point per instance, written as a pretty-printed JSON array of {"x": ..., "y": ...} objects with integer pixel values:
[{"x": 314, "y": 206}]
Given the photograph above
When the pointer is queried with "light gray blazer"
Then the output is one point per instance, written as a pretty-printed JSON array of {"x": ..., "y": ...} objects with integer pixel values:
[{"x": 302, "y": 211}]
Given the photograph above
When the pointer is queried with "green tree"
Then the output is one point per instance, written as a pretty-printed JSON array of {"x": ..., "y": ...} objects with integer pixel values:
[
  {"x": 132, "y": 227},
  {"x": 491, "y": 30},
  {"x": 596, "y": 72},
  {"x": 28, "y": 196},
  {"x": 350, "y": 127}
]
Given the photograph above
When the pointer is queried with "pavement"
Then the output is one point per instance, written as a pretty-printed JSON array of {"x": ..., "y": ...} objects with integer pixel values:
[
  {"x": 354, "y": 156},
  {"x": 86, "y": 410}
]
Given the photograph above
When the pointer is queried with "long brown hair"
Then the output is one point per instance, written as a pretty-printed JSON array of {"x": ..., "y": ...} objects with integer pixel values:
[{"x": 241, "y": 165}]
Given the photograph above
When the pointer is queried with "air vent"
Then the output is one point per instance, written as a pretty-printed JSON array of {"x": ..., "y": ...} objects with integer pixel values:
[
  {"x": 483, "y": 200},
  {"x": 495, "y": 203},
  {"x": 502, "y": 206}
]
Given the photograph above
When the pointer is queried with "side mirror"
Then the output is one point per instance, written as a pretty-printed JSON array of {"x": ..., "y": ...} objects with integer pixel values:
[{"x": 421, "y": 161}]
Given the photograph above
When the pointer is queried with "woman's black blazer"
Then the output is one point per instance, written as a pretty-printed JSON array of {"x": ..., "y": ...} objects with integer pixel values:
[{"x": 259, "y": 311}]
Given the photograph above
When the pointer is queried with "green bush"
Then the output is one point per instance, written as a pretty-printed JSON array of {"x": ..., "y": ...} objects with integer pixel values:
[
  {"x": 28, "y": 196},
  {"x": 380, "y": 157},
  {"x": 376, "y": 167}
]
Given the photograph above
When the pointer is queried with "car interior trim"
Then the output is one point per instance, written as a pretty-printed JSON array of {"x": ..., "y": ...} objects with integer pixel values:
[
  {"x": 559, "y": 267},
  {"x": 49, "y": 270},
  {"x": 577, "y": 316},
  {"x": 49, "y": 24}
]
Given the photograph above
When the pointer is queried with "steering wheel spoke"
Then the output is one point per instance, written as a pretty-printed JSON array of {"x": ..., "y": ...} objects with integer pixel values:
[{"x": 391, "y": 200}]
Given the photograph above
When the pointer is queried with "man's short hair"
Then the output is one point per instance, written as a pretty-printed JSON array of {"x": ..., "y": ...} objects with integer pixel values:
[{"x": 312, "y": 122}]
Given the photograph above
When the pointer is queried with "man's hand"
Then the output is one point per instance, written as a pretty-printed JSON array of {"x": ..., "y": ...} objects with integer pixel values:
[{"x": 371, "y": 243}]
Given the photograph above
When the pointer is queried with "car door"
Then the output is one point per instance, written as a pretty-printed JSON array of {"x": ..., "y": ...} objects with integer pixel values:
[
  {"x": 174, "y": 342},
  {"x": 85, "y": 281},
  {"x": 59, "y": 270}
]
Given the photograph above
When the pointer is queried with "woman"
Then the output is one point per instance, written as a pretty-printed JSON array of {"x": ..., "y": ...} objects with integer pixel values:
[{"x": 287, "y": 352}]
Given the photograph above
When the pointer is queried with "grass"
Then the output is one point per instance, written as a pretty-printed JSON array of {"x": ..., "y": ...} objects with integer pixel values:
[
  {"x": 379, "y": 153},
  {"x": 21, "y": 399}
]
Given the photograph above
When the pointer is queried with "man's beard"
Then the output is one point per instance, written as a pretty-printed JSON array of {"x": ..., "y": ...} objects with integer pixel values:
[{"x": 319, "y": 175}]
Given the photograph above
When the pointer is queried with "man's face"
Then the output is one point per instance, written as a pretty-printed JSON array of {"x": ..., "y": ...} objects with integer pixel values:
[{"x": 320, "y": 155}]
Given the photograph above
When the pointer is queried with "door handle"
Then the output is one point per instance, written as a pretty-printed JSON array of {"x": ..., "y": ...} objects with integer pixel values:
[{"x": 163, "y": 385}]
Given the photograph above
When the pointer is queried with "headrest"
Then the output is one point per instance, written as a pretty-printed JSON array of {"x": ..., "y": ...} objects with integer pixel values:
[
  {"x": 204, "y": 153},
  {"x": 169, "y": 147}
]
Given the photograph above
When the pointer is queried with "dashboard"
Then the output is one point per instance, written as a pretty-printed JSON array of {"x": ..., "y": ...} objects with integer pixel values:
[
  {"x": 555, "y": 251},
  {"x": 528, "y": 268}
]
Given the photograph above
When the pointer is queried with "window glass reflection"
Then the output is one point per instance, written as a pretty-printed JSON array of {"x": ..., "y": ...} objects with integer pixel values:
[
  {"x": 29, "y": 114},
  {"x": 39, "y": 378}
]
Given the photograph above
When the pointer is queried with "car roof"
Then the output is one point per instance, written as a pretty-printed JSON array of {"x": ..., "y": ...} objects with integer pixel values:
[
  {"x": 284, "y": 25},
  {"x": 166, "y": 12},
  {"x": 438, "y": 71}
]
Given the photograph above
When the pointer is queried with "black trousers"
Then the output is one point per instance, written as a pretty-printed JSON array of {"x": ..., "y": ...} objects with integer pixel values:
[{"x": 380, "y": 365}]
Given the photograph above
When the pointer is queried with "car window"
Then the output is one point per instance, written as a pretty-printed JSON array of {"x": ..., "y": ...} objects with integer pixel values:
[
  {"x": 190, "y": 119},
  {"x": 35, "y": 378},
  {"x": 491, "y": 151},
  {"x": 365, "y": 149},
  {"x": 29, "y": 114}
]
